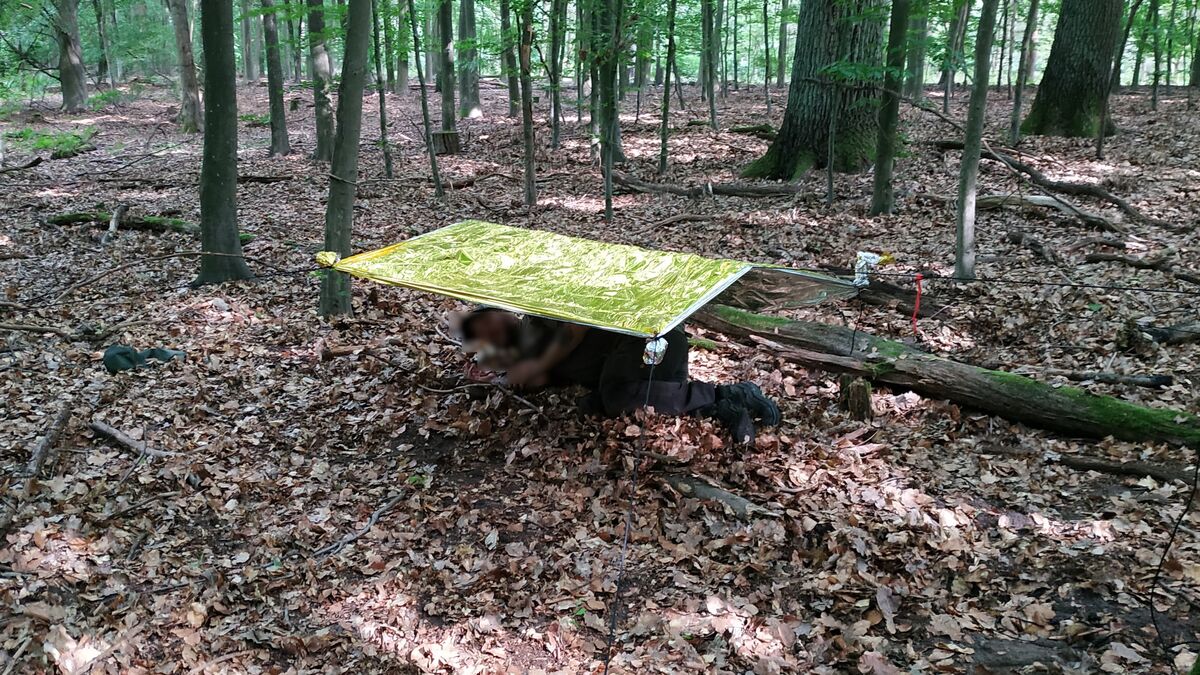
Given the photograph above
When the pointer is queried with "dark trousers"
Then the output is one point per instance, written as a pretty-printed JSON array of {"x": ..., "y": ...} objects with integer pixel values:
[{"x": 611, "y": 366}]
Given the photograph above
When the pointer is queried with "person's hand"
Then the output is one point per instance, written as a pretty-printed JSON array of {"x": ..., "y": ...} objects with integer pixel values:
[
  {"x": 527, "y": 373},
  {"x": 476, "y": 373}
]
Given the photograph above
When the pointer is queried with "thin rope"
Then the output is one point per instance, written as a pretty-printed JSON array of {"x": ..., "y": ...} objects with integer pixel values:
[
  {"x": 633, "y": 481},
  {"x": 1027, "y": 282},
  {"x": 1154, "y": 584}
]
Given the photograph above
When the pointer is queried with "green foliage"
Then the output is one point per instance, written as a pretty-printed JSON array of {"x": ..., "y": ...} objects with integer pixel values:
[
  {"x": 255, "y": 119},
  {"x": 109, "y": 97},
  {"x": 60, "y": 144}
]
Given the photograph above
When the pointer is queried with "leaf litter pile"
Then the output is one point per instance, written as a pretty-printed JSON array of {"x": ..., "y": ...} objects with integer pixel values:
[{"x": 297, "y": 495}]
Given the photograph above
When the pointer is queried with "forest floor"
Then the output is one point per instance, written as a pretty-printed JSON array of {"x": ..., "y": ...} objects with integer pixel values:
[{"x": 931, "y": 538}]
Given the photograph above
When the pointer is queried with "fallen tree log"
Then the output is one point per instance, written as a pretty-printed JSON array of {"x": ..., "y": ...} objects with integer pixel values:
[
  {"x": 149, "y": 223},
  {"x": 1064, "y": 187},
  {"x": 1066, "y": 410},
  {"x": 883, "y": 294},
  {"x": 1136, "y": 337},
  {"x": 709, "y": 189},
  {"x": 1163, "y": 474}
]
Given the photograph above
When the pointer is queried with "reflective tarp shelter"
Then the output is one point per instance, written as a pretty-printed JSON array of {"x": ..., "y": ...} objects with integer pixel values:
[{"x": 614, "y": 287}]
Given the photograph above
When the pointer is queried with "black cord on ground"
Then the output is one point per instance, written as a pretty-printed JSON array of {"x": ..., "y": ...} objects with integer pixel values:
[
  {"x": 615, "y": 608},
  {"x": 1187, "y": 507}
]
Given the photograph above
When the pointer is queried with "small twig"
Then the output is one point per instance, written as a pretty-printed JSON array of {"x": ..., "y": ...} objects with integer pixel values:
[
  {"x": 43, "y": 448},
  {"x": 345, "y": 541},
  {"x": 118, "y": 215},
  {"x": 125, "y": 440},
  {"x": 509, "y": 392},
  {"x": 61, "y": 332}
]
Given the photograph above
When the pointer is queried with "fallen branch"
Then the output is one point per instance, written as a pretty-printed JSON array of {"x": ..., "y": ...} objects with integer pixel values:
[
  {"x": 1034, "y": 244},
  {"x": 764, "y": 131},
  {"x": 149, "y": 223},
  {"x": 883, "y": 294},
  {"x": 503, "y": 389},
  {"x": 27, "y": 165},
  {"x": 461, "y": 183},
  {"x": 681, "y": 218},
  {"x": 113, "y": 223},
  {"x": 49, "y": 440},
  {"x": 709, "y": 189},
  {"x": 1149, "y": 381},
  {"x": 1163, "y": 474},
  {"x": 1063, "y": 409},
  {"x": 1077, "y": 189},
  {"x": 991, "y": 202},
  {"x": 1160, "y": 263},
  {"x": 61, "y": 332},
  {"x": 124, "y": 439},
  {"x": 337, "y": 546},
  {"x": 1134, "y": 336},
  {"x": 690, "y": 486}
]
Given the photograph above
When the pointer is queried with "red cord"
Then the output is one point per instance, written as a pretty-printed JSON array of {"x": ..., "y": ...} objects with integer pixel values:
[{"x": 917, "y": 304}]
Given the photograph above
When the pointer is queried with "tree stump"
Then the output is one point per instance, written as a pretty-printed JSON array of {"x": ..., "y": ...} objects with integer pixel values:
[
  {"x": 445, "y": 143},
  {"x": 855, "y": 397}
]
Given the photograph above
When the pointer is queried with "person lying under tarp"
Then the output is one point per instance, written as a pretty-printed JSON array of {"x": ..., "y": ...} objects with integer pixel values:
[{"x": 534, "y": 352}]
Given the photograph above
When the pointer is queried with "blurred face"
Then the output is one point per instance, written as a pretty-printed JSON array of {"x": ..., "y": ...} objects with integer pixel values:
[{"x": 494, "y": 328}]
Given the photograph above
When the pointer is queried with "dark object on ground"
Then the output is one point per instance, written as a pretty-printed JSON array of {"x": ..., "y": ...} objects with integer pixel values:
[
  {"x": 124, "y": 357},
  {"x": 855, "y": 397}
]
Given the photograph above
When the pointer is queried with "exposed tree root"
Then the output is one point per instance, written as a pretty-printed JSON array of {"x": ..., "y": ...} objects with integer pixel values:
[
  {"x": 709, "y": 189},
  {"x": 1034, "y": 244},
  {"x": 1077, "y": 189}
]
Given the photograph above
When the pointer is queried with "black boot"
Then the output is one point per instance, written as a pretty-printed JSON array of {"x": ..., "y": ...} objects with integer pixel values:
[
  {"x": 733, "y": 417},
  {"x": 748, "y": 396}
]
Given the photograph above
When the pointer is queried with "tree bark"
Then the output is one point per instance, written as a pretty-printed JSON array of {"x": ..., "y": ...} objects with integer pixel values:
[
  {"x": 218, "y": 168},
  {"x": 530, "y": 178},
  {"x": 383, "y": 20},
  {"x": 339, "y": 210},
  {"x": 249, "y": 52},
  {"x": 608, "y": 38},
  {"x": 664, "y": 127},
  {"x": 914, "y": 77},
  {"x": 322, "y": 75},
  {"x": 1070, "y": 95},
  {"x": 1067, "y": 410},
  {"x": 828, "y": 31},
  {"x": 766, "y": 57},
  {"x": 781, "y": 59},
  {"x": 1114, "y": 80},
  {"x": 70, "y": 55},
  {"x": 102, "y": 74},
  {"x": 1023, "y": 70},
  {"x": 954, "y": 50},
  {"x": 380, "y": 89},
  {"x": 428, "y": 128},
  {"x": 883, "y": 198},
  {"x": 508, "y": 59},
  {"x": 445, "y": 71},
  {"x": 402, "y": 49},
  {"x": 558, "y": 18},
  {"x": 1156, "y": 32},
  {"x": 964, "y": 250},
  {"x": 190, "y": 117},
  {"x": 279, "y": 132},
  {"x": 468, "y": 61},
  {"x": 295, "y": 27}
]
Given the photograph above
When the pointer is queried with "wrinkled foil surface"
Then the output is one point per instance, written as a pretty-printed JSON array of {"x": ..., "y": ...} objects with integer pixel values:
[{"x": 615, "y": 287}]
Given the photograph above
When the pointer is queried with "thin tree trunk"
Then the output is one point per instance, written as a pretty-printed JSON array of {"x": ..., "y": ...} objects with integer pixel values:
[
  {"x": 343, "y": 171},
  {"x": 610, "y": 31},
  {"x": 883, "y": 198},
  {"x": 766, "y": 57},
  {"x": 1115, "y": 75},
  {"x": 279, "y": 133},
  {"x": 322, "y": 76},
  {"x": 709, "y": 56},
  {"x": 719, "y": 30},
  {"x": 218, "y": 166},
  {"x": 438, "y": 190},
  {"x": 914, "y": 83},
  {"x": 664, "y": 127},
  {"x": 383, "y": 20},
  {"x": 102, "y": 75},
  {"x": 70, "y": 55},
  {"x": 380, "y": 90},
  {"x": 468, "y": 61},
  {"x": 1171, "y": 43},
  {"x": 1023, "y": 70},
  {"x": 736, "y": 54},
  {"x": 249, "y": 48},
  {"x": 964, "y": 251},
  {"x": 957, "y": 38},
  {"x": 582, "y": 37},
  {"x": 402, "y": 48},
  {"x": 1157, "y": 33},
  {"x": 781, "y": 59},
  {"x": 558, "y": 17},
  {"x": 295, "y": 28},
  {"x": 508, "y": 59},
  {"x": 530, "y": 179},
  {"x": 445, "y": 23},
  {"x": 190, "y": 117}
]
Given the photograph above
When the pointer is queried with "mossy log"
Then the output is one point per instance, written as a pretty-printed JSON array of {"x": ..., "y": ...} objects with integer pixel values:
[
  {"x": 1067, "y": 410},
  {"x": 129, "y": 222}
]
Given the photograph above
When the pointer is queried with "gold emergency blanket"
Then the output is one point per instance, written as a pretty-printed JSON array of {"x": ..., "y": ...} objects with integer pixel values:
[{"x": 610, "y": 286}]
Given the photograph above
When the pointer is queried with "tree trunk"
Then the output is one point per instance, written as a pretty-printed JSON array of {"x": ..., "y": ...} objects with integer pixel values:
[
  {"x": 1066, "y": 410},
  {"x": 380, "y": 90},
  {"x": 526, "y": 55},
  {"x": 428, "y": 128},
  {"x": 343, "y": 172},
  {"x": 218, "y": 168},
  {"x": 295, "y": 27},
  {"x": 664, "y": 127},
  {"x": 322, "y": 75},
  {"x": 954, "y": 50},
  {"x": 828, "y": 31},
  {"x": 558, "y": 17},
  {"x": 582, "y": 42},
  {"x": 1194, "y": 73},
  {"x": 964, "y": 251},
  {"x": 736, "y": 53},
  {"x": 1156, "y": 31},
  {"x": 102, "y": 75},
  {"x": 719, "y": 45},
  {"x": 914, "y": 74},
  {"x": 279, "y": 132},
  {"x": 781, "y": 59},
  {"x": 708, "y": 54},
  {"x": 766, "y": 57},
  {"x": 1023, "y": 70},
  {"x": 1114, "y": 79},
  {"x": 383, "y": 20},
  {"x": 445, "y": 70},
  {"x": 70, "y": 55},
  {"x": 609, "y": 38},
  {"x": 468, "y": 62},
  {"x": 1171, "y": 43},
  {"x": 1071, "y": 93},
  {"x": 402, "y": 49},
  {"x": 190, "y": 117},
  {"x": 883, "y": 198},
  {"x": 508, "y": 59},
  {"x": 249, "y": 53}
]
